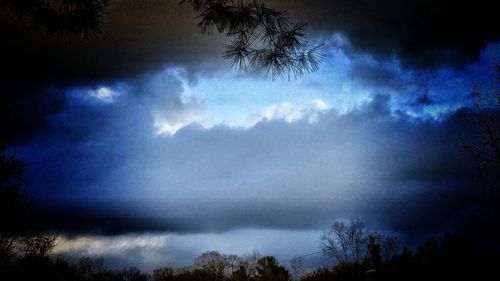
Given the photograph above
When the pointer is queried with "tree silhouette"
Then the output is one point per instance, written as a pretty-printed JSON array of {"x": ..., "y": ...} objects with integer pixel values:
[
  {"x": 213, "y": 264},
  {"x": 133, "y": 274},
  {"x": 241, "y": 274},
  {"x": 374, "y": 249},
  {"x": 268, "y": 269},
  {"x": 62, "y": 18},
  {"x": 12, "y": 203},
  {"x": 233, "y": 264},
  {"x": 21, "y": 236},
  {"x": 262, "y": 38},
  {"x": 296, "y": 268},
  {"x": 389, "y": 247},
  {"x": 345, "y": 242},
  {"x": 38, "y": 244},
  {"x": 163, "y": 274},
  {"x": 486, "y": 146}
]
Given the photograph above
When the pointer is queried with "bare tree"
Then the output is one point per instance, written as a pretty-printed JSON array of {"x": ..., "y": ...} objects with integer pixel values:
[
  {"x": 486, "y": 146},
  {"x": 374, "y": 248},
  {"x": 334, "y": 242},
  {"x": 233, "y": 263},
  {"x": 213, "y": 263},
  {"x": 389, "y": 247},
  {"x": 12, "y": 206},
  {"x": 6, "y": 248},
  {"x": 89, "y": 267},
  {"x": 381, "y": 248},
  {"x": 19, "y": 234},
  {"x": 250, "y": 262},
  {"x": 296, "y": 268},
  {"x": 132, "y": 274},
  {"x": 163, "y": 274},
  {"x": 345, "y": 242},
  {"x": 357, "y": 236},
  {"x": 38, "y": 244}
]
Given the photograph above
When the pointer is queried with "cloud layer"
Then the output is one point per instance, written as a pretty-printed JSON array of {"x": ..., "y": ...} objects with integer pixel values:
[
  {"x": 420, "y": 33},
  {"x": 111, "y": 169},
  {"x": 144, "y": 36},
  {"x": 144, "y": 130}
]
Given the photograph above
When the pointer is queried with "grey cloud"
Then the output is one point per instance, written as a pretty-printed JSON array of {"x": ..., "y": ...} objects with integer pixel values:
[
  {"x": 163, "y": 249},
  {"x": 138, "y": 37},
  {"x": 281, "y": 175},
  {"x": 421, "y": 33},
  {"x": 143, "y": 36}
]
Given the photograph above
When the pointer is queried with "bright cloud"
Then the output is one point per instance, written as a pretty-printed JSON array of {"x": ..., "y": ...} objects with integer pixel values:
[
  {"x": 95, "y": 245},
  {"x": 152, "y": 251},
  {"x": 288, "y": 113},
  {"x": 169, "y": 122},
  {"x": 104, "y": 94},
  {"x": 226, "y": 156}
]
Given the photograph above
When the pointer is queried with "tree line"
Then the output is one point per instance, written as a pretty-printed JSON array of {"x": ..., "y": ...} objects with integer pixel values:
[
  {"x": 26, "y": 253},
  {"x": 357, "y": 255}
]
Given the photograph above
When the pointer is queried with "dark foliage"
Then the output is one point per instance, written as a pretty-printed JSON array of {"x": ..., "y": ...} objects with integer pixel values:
[
  {"x": 485, "y": 148},
  {"x": 263, "y": 38},
  {"x": 268, "y": 269},
  {"x": 25, "y": 250},
  {"x": 62, "y": 18},
  {"x": 26, "y": 253},
  {"x": 451, "y": 257}
]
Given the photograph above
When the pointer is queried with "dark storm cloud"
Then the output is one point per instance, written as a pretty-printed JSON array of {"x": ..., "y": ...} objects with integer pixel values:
[
  {"x": 93, "y": 218},
  {"x": 138, "y": 37},
  {"x": 274, "y": 175},
  {"x": 141, "y": 36},
  {"x": 280, "y": 175},
  {"x": 423, "y": 100},
  {"x": 144, "y": 36},
  {"x": 421, "y": 33},
  {"x": 377, "y": 75}
]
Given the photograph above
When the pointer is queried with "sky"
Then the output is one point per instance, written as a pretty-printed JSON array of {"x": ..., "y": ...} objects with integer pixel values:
[{"x": 144, "y": 146}]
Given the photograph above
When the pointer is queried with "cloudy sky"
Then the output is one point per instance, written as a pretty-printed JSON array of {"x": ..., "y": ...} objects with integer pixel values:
[{"x": 145, "y": 147}]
